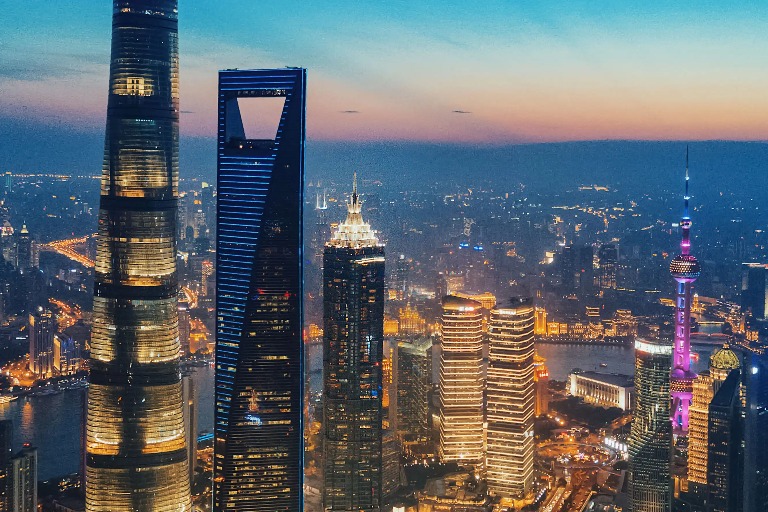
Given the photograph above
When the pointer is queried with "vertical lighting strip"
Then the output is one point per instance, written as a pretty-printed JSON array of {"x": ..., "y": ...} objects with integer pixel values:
[{"x": 136, "y": 454}]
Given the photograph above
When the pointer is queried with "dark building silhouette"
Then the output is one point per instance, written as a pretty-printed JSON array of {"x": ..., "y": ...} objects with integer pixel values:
[
  {"x": 353, "y": 313},
  {"x": 414, "y": 377},
  {"x": 576, "y": 269},
  {"x": 259, "y": 443},
  {"x": 724, "y": 455},
  {"x": 6, "y": 451},
  {"x": 756, "y": 433},
  {"x": 136, "y": 453},
  {"x": 608, "y": 259},
  {"x": 754, "y": 289}
]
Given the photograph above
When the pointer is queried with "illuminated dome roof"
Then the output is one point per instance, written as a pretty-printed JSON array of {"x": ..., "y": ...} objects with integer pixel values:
[
  {"x": 724, "y": 359},
  {"x": 685, "y": 266}
]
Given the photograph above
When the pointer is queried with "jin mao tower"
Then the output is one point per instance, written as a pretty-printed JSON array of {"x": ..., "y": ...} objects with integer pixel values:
[{"x": 353, "y": 304}]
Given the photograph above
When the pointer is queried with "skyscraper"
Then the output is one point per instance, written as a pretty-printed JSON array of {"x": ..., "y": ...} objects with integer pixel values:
[
  {"x": 136, "y": 456},
  {"x": 510, "y": 399},
  {"x": 259, "y": 443},
  {"x": 608, "y": 259},
  {"x": 42, "y": 326},
  {"x": 414, "y": 371},
  {"x": 685, "y": 269},
  {"x": 650, "y": 439},
  {"x": 23, "y": 474},
  {"x": 724, "y": 462},
  {"x": 353, "y": 304},
  {"x": 756, "y": 432},
  {"x": 705, "y": 386},
  {"x": 754, "y": 289},
  {"x": 461, "y": 382},
  {"x": 6, "y": 451}
]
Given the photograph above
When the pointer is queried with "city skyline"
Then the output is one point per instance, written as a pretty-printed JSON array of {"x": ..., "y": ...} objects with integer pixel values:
[{"x": 508, "y": 74}]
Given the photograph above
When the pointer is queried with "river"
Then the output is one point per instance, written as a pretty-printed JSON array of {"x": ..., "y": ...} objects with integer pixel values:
[{"x": 52, "y": 423}]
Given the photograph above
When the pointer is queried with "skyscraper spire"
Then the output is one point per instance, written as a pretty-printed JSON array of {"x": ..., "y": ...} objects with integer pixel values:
[{"x": 354, "y": 190}]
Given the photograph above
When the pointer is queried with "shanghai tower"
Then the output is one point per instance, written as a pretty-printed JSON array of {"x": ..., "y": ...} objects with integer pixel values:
[{"x": 136, "y": 457}]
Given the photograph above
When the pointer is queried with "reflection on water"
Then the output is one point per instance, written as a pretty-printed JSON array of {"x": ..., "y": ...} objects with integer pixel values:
[
  {"x": 53, "y": 422},
  {"x": 562, "y": 359}
]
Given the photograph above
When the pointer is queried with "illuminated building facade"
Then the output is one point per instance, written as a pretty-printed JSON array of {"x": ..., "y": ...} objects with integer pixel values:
[
  {"x": 23, "y": 480},
  {"x": 6, "y": 451},
  {"x": 258, "y": 432},
  {"x": 541, "y": 381},
  {"x": 650, "y": 440},
  {"x": 685, "y": 269},
  {"x": 511, "y": 399},
  {"x": 135, "y": 441},
  {"x": 705, "y": 386},
  {"x": 603, "y": 389},
  {"x": 353, "y": 337},
  {"x": 461, "y": 382},
  {"x": 42, "y": 326}
]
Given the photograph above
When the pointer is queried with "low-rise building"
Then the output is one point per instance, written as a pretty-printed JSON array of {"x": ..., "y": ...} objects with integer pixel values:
[{"x": 604, "y": 389}]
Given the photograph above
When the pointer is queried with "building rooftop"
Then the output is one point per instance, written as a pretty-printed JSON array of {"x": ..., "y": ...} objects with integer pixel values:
[{"x": 614, "y": 379}]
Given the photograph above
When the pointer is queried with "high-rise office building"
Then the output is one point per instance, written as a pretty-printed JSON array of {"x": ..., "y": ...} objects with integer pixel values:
[
  {"x": 259, "y": 444},
  {"x": 510, "y": 399},
  {"x": 576, "y": 268},
  {"x": 608, "y": 260},
  {"x": 650, "y": 439},
  {"x": 6, "y": 452},
  {"x": 705, "y": 386},
  {"x": 136, "y": 456},
  {"x": 23, "y": 475},
  {"x": 353, "y": 338},
  {"x": 724, "y": 457},
  {"x": 756, "y": 432},
  {"x": 24, "y": 249},
  {"x": 461, "y": 382},
  {"x": 414, "y": 377},
  {"x": 754, "y": 289},
  {"x": 42, "y": 327},
  {"x": 685, "y": 269}
]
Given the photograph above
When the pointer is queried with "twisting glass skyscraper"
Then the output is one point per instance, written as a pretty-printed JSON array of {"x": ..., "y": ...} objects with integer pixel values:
[
  {"x": 353, "y": 313},
  {"x": 259, "y": 440},
  {"x": 650, "y": 440},
  {"x": 136, "y": 456},
  {"x": 510, "y": 399}
]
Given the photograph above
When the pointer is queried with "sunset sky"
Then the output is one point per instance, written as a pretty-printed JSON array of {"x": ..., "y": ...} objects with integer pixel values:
[{"x": 528, "y": 71}]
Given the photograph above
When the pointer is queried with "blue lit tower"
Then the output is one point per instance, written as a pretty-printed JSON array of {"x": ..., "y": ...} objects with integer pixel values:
[
  {"x": 684, "y": 269},
  {"x": 136, "y": 451},
  {"x": 259, "y": 450}
]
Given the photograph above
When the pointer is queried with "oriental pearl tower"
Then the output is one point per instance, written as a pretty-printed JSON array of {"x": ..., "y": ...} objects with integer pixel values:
[{"x": 684, "y": 268}]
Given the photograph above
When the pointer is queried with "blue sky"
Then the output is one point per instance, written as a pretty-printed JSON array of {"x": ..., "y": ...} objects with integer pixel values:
[{"x": 527, "y": 71}]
